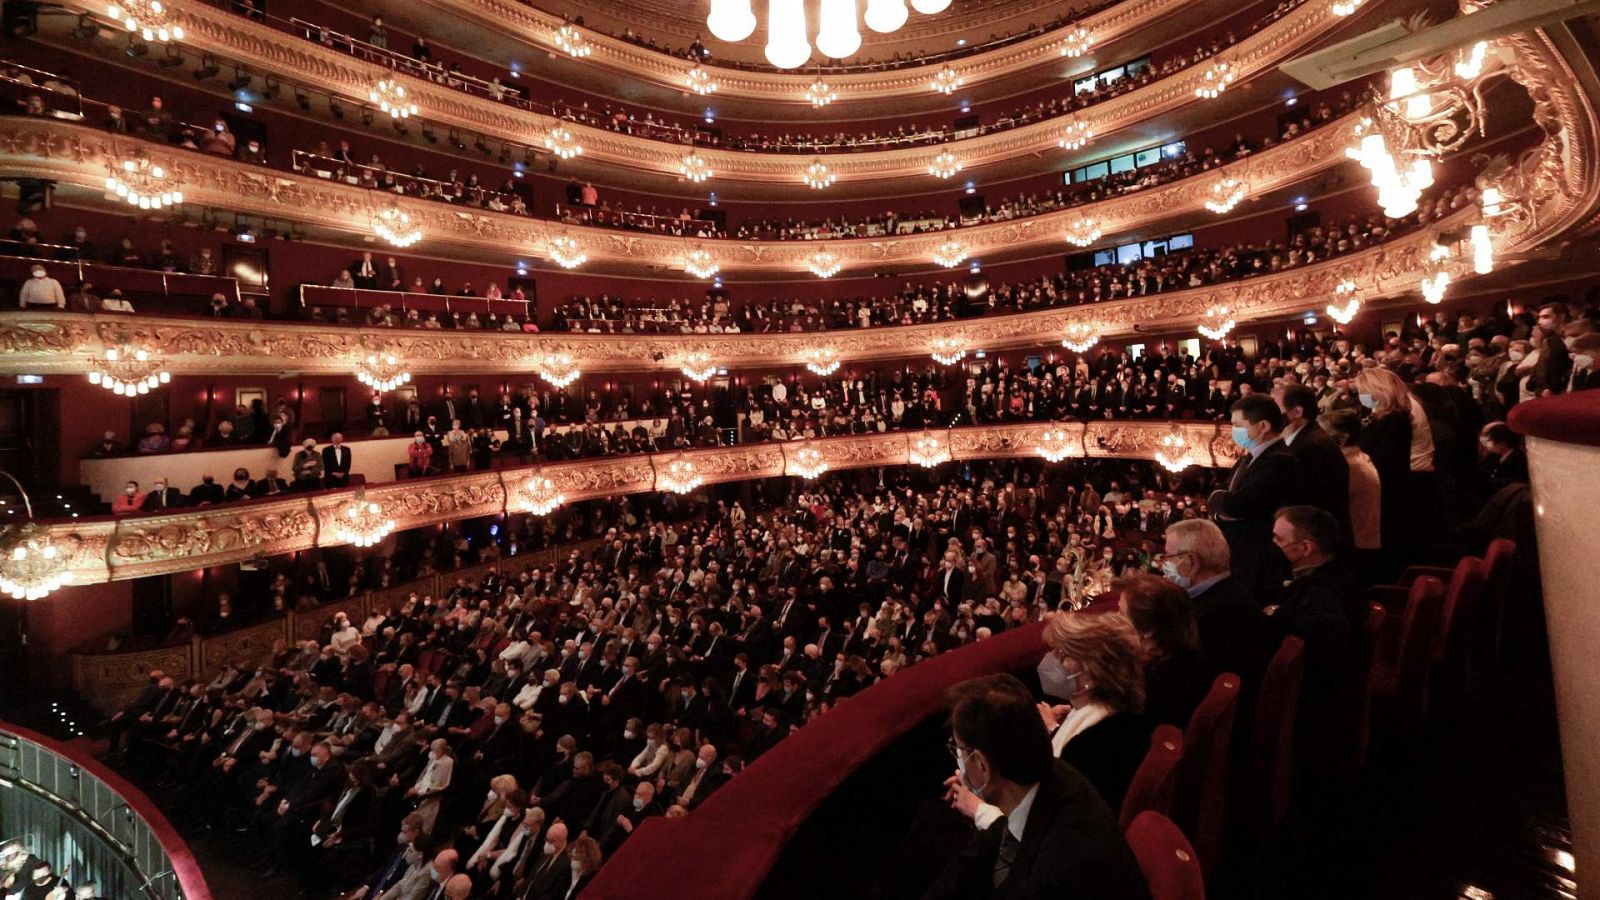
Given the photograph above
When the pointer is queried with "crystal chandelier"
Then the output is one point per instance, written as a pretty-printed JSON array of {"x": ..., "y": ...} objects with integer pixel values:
[
  {"x": 1470, "y": 65},
  {"x": 1216, "y": 79},
  {"x": 382, "y": 373},
  {"x": 929, "y": 451},
  {"x": 126, "y": 370},
  {"x": 822, "y": 361},
  {"x": 149, "y": 19},
  {"x": 694, "y": 168},
  {"x": 1173, "y": 454},
  {"x": 698, "y": 367},
  {"x": 1080, "y": 337},
  {"x": 394, "y": 225},
  {"x": 820, "y": 93},
  {"x": 1437, "y": 279},
  {"x": 817, "y": 175},
  {"x": 700, "y": 263},
  {"x": 1346, "y": 302},
  {"x": 539, "y": 495},
  {"x": 559, "y": 140},
  {"x": 1342, "y": 8},
  {"x": 361, "y": 521},
  {"x": 1482, "y": 249},
  {"x": 1055, "y": 445},
  {"x": 1399, "y": 187},
  {"x": 1226, "y": 192},
  {"x": 1216, "y": 324},
  {"x": 700, "y": 81},
  {"x": 807, "y": 463},
  {"x": 390, "y": 96},
  {"x": 947, "y": 351},
  {"x": 31, "y": 565},
  {"x": 1075, "y": 134},
  {"x": 567, "y": 252},
  {"x": 680, "y": 477},
  {"x": 947, "y": 80},
  {"x": 945, "y": 165},
  {"x": 824, "y": 264},
  {"x": 558, "y": 369},
  {"x": 950, "y": 253},
  {"x": 572, "y": 42},
  {"x": 1077, "y": 42},
  {"x": 1083, "y": 232},
  {"x": 143, "y": 184}
]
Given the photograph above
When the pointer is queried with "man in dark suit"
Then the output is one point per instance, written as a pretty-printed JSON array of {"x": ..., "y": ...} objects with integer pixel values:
[
  {"x": 1323, "y": 607},
  {"x": 549, "y": 874},
  {"x": 391, "y": 277},
  {"x": 1057, "y": 838},
  {"x": 364, "y": 271},
  {"x": 162, "y": 497},
  {"x": 1267, "y": 478},
  {"x": 1322, "y": 463},
  {"x": 303, "y": 803},
  {"x": 278, "y": 437},
  {"x": 952, "y": 580},
  {"x": 336, "y": 462}
]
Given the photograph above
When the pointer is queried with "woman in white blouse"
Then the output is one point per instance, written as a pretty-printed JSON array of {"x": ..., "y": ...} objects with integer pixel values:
[{"x": 654, "y": 755}]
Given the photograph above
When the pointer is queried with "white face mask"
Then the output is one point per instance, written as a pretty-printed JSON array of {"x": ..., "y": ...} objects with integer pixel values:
[
  {"x": 1055, "y": 680},
  {"x": 638, "y": 803},
  {"x": 549, "y": 849},
  {"x": 1583, "y": 360}
]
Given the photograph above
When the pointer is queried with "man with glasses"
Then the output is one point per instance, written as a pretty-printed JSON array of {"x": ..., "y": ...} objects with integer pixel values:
[{"x": 1057, "y": 838}]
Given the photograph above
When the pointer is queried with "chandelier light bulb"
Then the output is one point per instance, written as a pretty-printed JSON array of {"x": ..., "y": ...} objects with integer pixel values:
[
  {"x": 1482, "y": 249},
  {"x": 731, "y": 20},
  {"x": 1173, "y": 454},
  {"x": 571, "y": 42},
  {"x": 947, "y": 351},
  {"x": 390, "y": 96},
  {"x": 700, "y": 81},
  {"x": 694, "y": 168},
  {"x": 945, "y": 165},
  {"x": 1217, "y": 323},
  {"x": 817, "y": 175},
  {"x": 1215, "y": 80},
  {"x": 822, "y": 361},
  {"x": 1055, "y": 445},
  {"x": 680, "y": 476},
  {"x": 700, "y": 263},
  {"x": 32, "y": 565},
  {"x": 382, "y": 373},
  {"x": 1405, "y": 93},
  {"x": 823, "y": 264},
  {"x": 838, "y": 36},
  {"x": 540, "y": 496},
  {"x": 698, "y": 367},
  {"x": 1075, "y": 134},
  {"x": 558, "y": 369},
  {"x": 560, "y": 141},
  {"x": 820, "y": 93},
  {"x": 947, "y": 80},
  {"x": 362, "y": 522},
  {"x": 787, "y": 47},
  {"x": 149, "y": 19},
  {"x": 930, "y": 7},
  {"x": 885, "y": 16},
  {"x": 1342, "y": 8},
  {"x": 1077, "y": 42},
  {"x": 394, "y": 225},
  {"x": 950, "y": 253},
  {"x": 1080, "y": 337},
  {"x": 807, "y": 462},
  {"x": 1346, "y": 302},
  {"x": 1083, "y": 232},
  {"x": 929, "y": 451},
  {"x": 1226, "y": 192},
  {"x": 143, "y": 184},
  {"x": 567, "y": 252},
  {"x": 128, "y": 371}
]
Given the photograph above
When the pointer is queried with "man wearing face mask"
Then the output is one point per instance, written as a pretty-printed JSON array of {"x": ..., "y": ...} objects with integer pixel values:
[
  {"x": 41, "y": 292},
  {"x": 549, "y": 876},
  {"x": 1056, "y": 836},
  {"x": 1585, "y": 351},
  {"x": 1266, "y": 478},
  {"x": 1234, "y": 635}
]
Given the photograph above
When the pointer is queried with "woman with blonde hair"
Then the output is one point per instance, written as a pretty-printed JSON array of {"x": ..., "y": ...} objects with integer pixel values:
[{"x": 1398, "y": 439}]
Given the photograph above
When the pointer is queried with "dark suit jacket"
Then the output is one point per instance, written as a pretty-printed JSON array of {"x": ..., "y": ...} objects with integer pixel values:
[
  {"x": 1325, "y": 608},
  {"x": 1071, "y": 849},
  {"x": 336, "y": 461},
  {"x": 549, "y": 882},
  {"x": 279, "y": 441},
  {"x": 1109, "y": 752},
  {"x": 1246, "y": 509},
  {"x": 1326, "y": 474},
  {"x": 1234, "y": 635},
  {"x": 173, "y": 497}
]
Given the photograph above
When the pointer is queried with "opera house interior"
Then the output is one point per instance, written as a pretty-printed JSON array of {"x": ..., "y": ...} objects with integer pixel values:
[{"x": 779, "y": 449}]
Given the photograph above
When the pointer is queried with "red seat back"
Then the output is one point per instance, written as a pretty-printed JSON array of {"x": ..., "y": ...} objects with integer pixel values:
[
  {"x": 1486, "y": 628},
  {"x": 1371, "y": 640},
  {"x": 1152, "y": 785},
  {"x": 1165, "y": 857},
  {"x": 1201, "y": 796},
  {"x": 1270, "y": 780},
  {"x": 1460, "y": 601},
  {"x": 1419, "y": 632}
]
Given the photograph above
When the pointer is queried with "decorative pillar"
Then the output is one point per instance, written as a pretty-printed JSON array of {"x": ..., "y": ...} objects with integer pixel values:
[{"x": 1563, "y": 437}]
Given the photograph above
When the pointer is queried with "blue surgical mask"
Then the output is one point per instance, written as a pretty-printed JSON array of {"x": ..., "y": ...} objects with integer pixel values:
[
  {"x": 1241, "y": 436},
  {"x": 1169, "y": 571},
  {"x": 1367, "y": 400}
]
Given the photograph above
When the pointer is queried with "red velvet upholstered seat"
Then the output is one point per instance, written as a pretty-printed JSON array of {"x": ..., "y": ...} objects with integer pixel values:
[
  {"x": 1152, "y": 785},
  {"x": 1200, "y": 800},
  {"x": 1401, "y": 677},
  {"x": 1269, "y": 781},
  {"x": 1165, "y": 857}
]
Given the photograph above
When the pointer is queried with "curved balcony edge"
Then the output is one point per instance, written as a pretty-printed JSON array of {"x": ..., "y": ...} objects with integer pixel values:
[{"x": 157, "y": 853}]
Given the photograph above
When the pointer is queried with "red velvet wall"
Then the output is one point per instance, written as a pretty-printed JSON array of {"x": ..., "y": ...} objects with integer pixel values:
[{"x": 72, "y": 617}]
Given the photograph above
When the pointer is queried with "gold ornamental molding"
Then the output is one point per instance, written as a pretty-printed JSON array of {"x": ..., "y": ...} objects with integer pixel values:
[
  {"x": 65, "y": 343},
  {"x": 538, "y": 28},
  {"x": 77, "y": 154},
  {"x": 136, "y": 547},
  {"x": 270, "y": 51}
]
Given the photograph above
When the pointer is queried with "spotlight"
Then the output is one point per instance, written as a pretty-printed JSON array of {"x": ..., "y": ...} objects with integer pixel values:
[
  {"x": 301, "y": 98},
  {"x": 430, "y": 134},
  {"x": 208, "y": 68},
  {"x": 86, "y": 30},
  {"x": 171, "y": 59},
  {"x": 241, "y": 80},
  {"x": 366, "y": 115},
  {"x": 336, "y": 108},
  {"x": 136, "y": 48},
  {"x": 272, "y": 88}
]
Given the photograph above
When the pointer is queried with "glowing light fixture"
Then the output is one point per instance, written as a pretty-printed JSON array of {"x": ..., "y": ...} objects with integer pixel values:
[
  {"x": 822, "y": 361},
  {"x": 823, "y": 263},
  {"x": 1225, "y": 194},
  {"x": 1482, "y": 249},
  {"x": 818, "y": 176},
  {"x": 929, "y": 451},
  {"x": 680, "y": 476},
  {"x": 694, "y": 168},
  {"x": 1437, "y": 280},
  {"x": 1399, "y": 187},
  {"x": 149, "y": 19},
  {"x": 947, "y": 351},
  {"x": 1216, "y": 323},
  {"x": 126, "y": 370},
  {"x": 1080, "y": 337},
  {"x": 698, "y": 366},
  {"x": 382, "y": 373},
  {"x": 1344, "y": 8},
  {"x": 539, "y": 495},
  {"x": 1056, "y": 444},
  {"x": 1215, "y": 80},
  {"x": 390, "y": 96},
  {"x": 1083, "y": 232},
  {"x": 950, "y": 253},
  {"x": 947, "y": 80},
  {"x": 1346, "y": 302},
  {"x": 572, "y": 42},
  {"x": 394, "y": 225},
  {"x": 1077, "y": 42},
  {"x": 820, "y": 93},
  {"x": 1075, "y": 134},
  {"x": 837, "y": 33},
  {"x": 560, "y": 141},
  {"x": 1173, "y": 454},
  {"x": 731, "y": 20},
  {"x": 787, "y": 47},
  {"x": 807, "y": 462},
  {"x": 567, "y": 252},
  {"x": 31, "y": 565},
  {"x": 1470, "y": 65},
  {"x": 143, "y": 184},
  {"x": 361, "y": 521},
  {"x": 700, "y": 81},
  {"x": 700, "y": 263},
  {"x": 884, "y": 16},
  {"x": 945, "y": 165},
  {"x": 930, "y": 7},
  {"x": 558, "y": 369}
]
